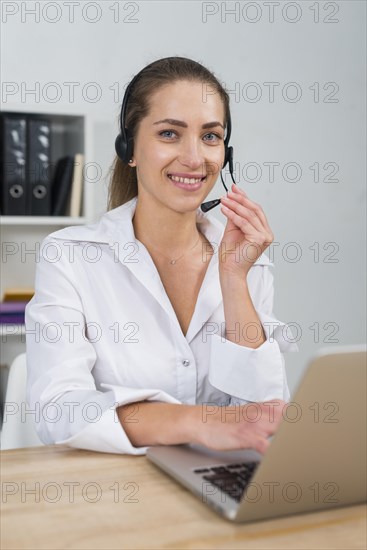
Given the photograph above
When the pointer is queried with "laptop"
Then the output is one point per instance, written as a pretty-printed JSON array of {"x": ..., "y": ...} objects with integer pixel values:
[{"x": 316, "y": 459}]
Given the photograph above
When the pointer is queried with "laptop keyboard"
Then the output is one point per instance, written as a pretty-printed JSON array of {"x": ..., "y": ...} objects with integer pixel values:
[{"x": 232, "y": 479}]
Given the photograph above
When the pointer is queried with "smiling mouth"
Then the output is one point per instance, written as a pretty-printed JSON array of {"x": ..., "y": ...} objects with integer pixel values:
[{"x": 189, "y": 181}]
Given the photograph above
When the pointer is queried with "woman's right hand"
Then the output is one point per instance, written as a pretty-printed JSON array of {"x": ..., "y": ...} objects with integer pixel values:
[{"x": 238, "y": 426}]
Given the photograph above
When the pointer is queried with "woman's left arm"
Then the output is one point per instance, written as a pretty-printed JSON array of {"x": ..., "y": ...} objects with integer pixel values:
[
  {"x": 242, "y": 323},
  {"x": 246, "y": 236}
]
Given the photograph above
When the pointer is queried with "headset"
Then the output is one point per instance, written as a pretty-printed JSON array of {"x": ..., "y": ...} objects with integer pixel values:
[{"x": 124, "y": 143}]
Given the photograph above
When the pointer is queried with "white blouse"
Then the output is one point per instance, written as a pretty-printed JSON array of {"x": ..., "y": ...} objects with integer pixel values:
[{"x": 101, "y": 332}]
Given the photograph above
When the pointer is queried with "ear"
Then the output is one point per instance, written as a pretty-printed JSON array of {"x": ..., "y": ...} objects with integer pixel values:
[{"x": 132, "y": 163}]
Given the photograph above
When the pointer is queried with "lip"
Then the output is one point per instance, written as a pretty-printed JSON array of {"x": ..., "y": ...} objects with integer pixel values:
[{"x": 186, "y": 186}]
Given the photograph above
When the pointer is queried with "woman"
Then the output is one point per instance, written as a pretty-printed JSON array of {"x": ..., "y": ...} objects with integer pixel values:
[{"x": 166, "y": 336}]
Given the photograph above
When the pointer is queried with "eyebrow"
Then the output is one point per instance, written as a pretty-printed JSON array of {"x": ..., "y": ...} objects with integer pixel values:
[{"x": 184, "y": 125}]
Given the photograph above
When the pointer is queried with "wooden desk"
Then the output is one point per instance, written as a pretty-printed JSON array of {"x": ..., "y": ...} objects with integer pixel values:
[{"x": 120, "y": 501}]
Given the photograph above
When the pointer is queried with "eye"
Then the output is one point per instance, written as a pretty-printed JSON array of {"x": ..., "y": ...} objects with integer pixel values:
[
  {"x": 214, "y": 137},
  {"x": 165, "y": 132}
]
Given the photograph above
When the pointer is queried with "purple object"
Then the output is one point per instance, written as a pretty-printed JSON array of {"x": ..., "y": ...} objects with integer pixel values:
[
  {"x": 15, "y": 319},
  {"x": 12, "y": 312},
  {"x": 12, "y": 307}
]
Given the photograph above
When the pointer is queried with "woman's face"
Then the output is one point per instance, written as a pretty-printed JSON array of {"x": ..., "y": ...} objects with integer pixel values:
[{"x": 179, "y": 146}]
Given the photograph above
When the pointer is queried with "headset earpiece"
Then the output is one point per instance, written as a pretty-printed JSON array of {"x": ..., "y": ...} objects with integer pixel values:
[
  {"x": 228, "y": 156},
  {"x": 124, "y": 147}
]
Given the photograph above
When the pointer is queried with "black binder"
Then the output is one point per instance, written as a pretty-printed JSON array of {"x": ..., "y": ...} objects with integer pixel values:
[
  {"x": 61, "y": 185},
  {"x": 38, "y": 168},
  {"x": 13, "y": 158}
]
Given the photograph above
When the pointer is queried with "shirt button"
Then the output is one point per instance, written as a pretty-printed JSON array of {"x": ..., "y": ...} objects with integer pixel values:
[{"x": 186, "y": 362}]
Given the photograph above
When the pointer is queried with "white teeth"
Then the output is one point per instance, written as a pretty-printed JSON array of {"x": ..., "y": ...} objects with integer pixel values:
[{"x": 185, "y": 180}]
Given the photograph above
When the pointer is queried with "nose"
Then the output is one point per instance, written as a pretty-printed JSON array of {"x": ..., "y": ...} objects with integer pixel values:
[{"x": 191, "y": 154}]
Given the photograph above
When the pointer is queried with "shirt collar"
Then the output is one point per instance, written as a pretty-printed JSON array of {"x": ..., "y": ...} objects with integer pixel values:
[{"x": 122, "y": 217}]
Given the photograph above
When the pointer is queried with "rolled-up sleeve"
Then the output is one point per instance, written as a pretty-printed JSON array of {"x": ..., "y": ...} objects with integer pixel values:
[
  {"x": 60, "y": 358},
  {"x": 252, "y": 375}
]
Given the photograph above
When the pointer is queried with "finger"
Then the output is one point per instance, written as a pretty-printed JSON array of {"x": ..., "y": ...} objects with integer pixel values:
[
  {"x": 247, "y": 201},
  {"x": 237, "y": 189},
  {"x": 239, "y": 221},
  {"x": 261, "y": 445},
  {"x": 240, "y": 205},
  {"x": 257, "y": 209},
  {"x": 237, "y": 193},
  {"x": 244, "y": 225},
  {"x": 245, "y": 212},
  {"x": 243, "y": 199}
]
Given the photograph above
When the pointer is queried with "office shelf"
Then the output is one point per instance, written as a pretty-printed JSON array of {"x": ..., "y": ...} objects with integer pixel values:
[
  {"x": 42, "y": 220},
  {"x": 71, "y": 133},
  {"x": 11, "y": 330}
]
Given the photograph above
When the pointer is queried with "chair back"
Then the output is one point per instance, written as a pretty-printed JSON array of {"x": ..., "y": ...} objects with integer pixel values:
[{"x": 18, "y": 427}]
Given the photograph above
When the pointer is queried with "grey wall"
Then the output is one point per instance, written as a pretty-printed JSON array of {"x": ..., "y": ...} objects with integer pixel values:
[{"x": 319, "y": 225}]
